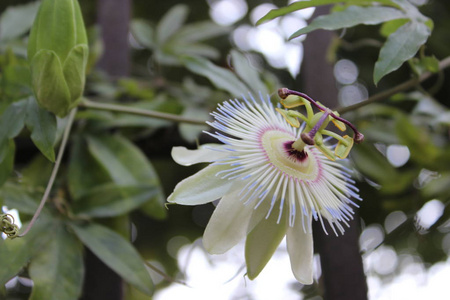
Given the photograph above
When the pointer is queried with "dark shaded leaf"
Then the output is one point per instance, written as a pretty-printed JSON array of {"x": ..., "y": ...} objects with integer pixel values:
[
  {"x": 418, "y": 141},
  {"x": 42, "y": 125},
  {"x": 127, "y": 166},
  {"x": 110, "y": 200},
  {"x": 116, "y": 253},
  {"x": 7, "y": 164},
  {"x": 11, "y": 123},
  {"x": 57, "y": 270},
  {"x": 85, "y": 172},
  {"x": 16, "y": 196},
  {"x": 15, "y": 253}
]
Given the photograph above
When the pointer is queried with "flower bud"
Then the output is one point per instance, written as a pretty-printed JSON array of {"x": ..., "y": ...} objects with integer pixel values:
[
  {"x": 58, "y": 53},
  {"x": 292, "y": 101}
]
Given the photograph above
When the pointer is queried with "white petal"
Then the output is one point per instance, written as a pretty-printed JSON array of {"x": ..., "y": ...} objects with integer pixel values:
[
  {"x": 202, "y": 187},
  {"x": 262, "y": 242},
  {"x": 300, "y": 248},
  {"x": 228, "y": 224},
  {"x": 186, "y": 157}
]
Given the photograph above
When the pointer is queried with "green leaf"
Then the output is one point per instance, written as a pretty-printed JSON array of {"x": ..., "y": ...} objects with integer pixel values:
[
  {"x": 247, "y": 73},
  {"x": 352, "y": 16},
  {"x": 400, "y": 46},
  {"x": 431, "y": 63},
  {"x": 116, "y": 253},
  {"x": 12, "y": 119},
  {"x": 11, "y": 123},
  {"x": 171, "y": 23},
  {"x": 126, "y": 165},
  {"x": 37, "y": 172},
  {"x": 143, "y": 32},
  {"x": 222, "y": 78},
  {"x": 194, "y": 50},
  {"x": 17, "y": 20},
  {"x": 438, "y": 187},
  {"x": 16, "y": 196},
  {"x": 191, "y": 132},
  {"x": 42, "y": 125},
  {"x": 390, "y": 27},
  {"x": 15, "y": 253},
  {"x": 124, "y": 162},
  {"x": 57, "y": 270},
  {"x": 274, "y": 13},
  {"x": 199, "y": 31},
  {"x": 110, "y": 200},
  {"x": 7, "y": 164},
  {"x": 85, "y": 172},
  {"x": 373, "y": 164},
  {"x": 418, "y": 141}
]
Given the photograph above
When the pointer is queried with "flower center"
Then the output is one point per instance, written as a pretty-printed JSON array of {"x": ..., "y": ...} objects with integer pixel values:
[{"x": 297, "y": 164}]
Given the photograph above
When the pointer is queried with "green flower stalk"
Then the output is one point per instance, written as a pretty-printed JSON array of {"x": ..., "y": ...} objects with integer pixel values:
[{"x": 58, "y": 54}]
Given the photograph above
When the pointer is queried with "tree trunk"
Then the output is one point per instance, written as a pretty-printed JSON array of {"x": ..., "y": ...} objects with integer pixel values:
[
  {"x": 113, "y": 17},
  {"x": 342, "y": 269}
]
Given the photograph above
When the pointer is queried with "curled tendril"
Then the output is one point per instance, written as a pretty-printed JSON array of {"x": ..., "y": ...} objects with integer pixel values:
[{"x": 8, "y": 227}]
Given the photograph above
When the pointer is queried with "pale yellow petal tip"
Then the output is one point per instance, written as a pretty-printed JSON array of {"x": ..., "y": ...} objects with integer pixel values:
[
  {"x": 213, "y": 247},
  {"x": 308, "y": 280},
  {"x": 170, "y": 199},
  {"x": 293, "y": 121},
  {"x": 343, "y": 149},
  {"x": 178, "y": 154},
  {"x": 292, "y": 101},
  {"x": 204, "y": 154},
  {"x": 340, "y": 125}
]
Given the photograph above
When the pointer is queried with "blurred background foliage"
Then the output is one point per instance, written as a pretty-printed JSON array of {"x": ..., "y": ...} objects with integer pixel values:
[{"x": 184, "y": 61}]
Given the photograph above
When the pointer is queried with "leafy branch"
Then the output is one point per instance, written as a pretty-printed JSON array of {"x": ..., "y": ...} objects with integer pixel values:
[
  {"x": 443, "y": 64},
  {"x": 138, "y": 111}
]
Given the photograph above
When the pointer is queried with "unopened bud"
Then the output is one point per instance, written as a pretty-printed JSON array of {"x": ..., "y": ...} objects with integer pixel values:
[
  {"x": 58, "y": 54},
  {"x": 283, "y": 93},
  {"x": 359, "y": 138}
]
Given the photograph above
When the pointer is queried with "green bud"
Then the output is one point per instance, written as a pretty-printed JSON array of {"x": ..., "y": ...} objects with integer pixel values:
[
  {"x": 58, "y": 54},
  {"x": 292, "y": 101}
]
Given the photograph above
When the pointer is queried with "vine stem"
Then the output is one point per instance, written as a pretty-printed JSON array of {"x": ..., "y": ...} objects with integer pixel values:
[
  {"x": 443, "y": 64},
  {"x": 62, "y": 148},
  {"x": 138, "y": 111}
]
